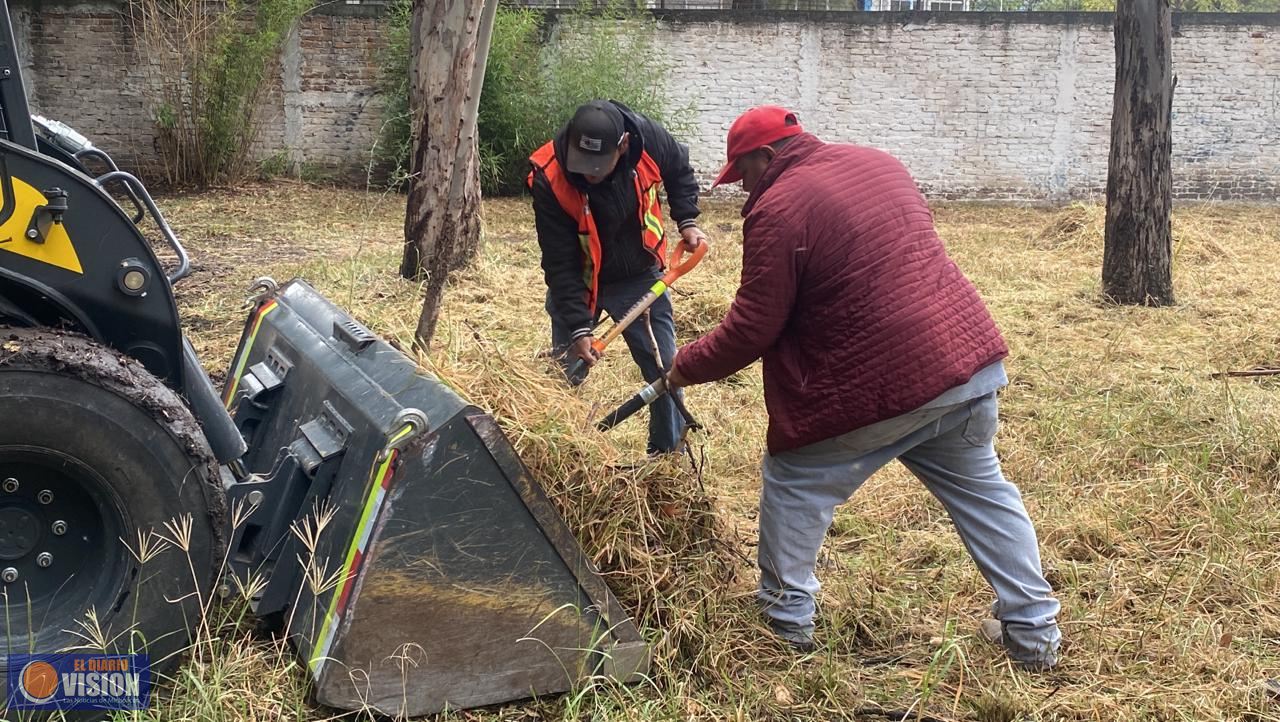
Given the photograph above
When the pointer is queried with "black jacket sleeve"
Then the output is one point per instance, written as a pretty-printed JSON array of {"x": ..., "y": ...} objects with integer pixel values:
[
  {"x": 672, "y": 158},
  {"x": 562, "y": 261}
]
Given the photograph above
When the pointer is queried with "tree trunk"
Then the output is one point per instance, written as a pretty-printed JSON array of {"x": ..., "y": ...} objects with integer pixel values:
[
  {"x": 448, "y": 48},
  {"x": 1137, "y": 263}
]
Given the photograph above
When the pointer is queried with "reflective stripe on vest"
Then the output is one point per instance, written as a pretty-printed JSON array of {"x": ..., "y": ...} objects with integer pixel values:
[{"x": 648, "y": 181}]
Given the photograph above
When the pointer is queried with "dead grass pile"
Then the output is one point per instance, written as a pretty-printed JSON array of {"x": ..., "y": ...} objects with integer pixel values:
[
  {"x": 1195, "y": 232},
  {"x": 650, "y": 525},
  {"x": 1074, "y": 226}
]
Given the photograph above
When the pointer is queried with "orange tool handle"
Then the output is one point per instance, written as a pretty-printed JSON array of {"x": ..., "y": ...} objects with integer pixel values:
[{"x": 678, "y": 266}]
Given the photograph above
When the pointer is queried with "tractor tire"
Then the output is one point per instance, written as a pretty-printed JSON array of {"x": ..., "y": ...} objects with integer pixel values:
[{"x": 111, "y": 510}]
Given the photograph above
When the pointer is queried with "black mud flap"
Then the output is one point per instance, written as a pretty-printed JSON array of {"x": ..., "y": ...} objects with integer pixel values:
[{"x": 406, "y": 551}]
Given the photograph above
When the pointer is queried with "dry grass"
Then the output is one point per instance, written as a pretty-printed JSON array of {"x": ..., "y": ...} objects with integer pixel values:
[{"x": 1154, "y": 487}]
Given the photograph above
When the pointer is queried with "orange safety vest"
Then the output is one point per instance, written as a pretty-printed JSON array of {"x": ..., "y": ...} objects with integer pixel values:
[{"x": 574, "y": 202}]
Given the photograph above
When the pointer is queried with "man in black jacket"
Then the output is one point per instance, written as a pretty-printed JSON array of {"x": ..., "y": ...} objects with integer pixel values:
[{"x": 599, "y": 223}]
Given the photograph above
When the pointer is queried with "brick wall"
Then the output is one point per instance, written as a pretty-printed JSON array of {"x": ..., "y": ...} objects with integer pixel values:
[
  {"x": 334, "y": 106},
  {"x": 993, "y": 106},
  {"x": 1000, "y": 106},
  {"x": 319, "y": 108},
  {"x": 80, "y": 67}
]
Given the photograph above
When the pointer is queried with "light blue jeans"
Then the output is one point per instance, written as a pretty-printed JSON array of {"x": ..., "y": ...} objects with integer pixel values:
[{"x": 952, "y": 452}]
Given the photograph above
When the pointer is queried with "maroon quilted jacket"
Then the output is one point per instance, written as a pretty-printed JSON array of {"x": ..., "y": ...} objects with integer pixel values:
[{"x": 848, "y": 295}]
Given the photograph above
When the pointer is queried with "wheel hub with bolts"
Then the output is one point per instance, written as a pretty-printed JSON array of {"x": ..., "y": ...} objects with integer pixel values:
[
  {"x": 51, "y": 528},
  {"x": 21, "y": 531}
]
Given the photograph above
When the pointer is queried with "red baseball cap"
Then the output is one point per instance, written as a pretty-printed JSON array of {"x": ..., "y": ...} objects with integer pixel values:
[{"x": 753, "y": 130}]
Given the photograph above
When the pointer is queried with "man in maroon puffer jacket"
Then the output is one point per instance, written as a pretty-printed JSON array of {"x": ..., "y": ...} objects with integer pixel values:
[{"x": 876, "y": 347}]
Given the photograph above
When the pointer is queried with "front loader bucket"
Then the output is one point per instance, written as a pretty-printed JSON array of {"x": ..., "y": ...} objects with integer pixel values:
[{"x": 407, "y": 552}]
